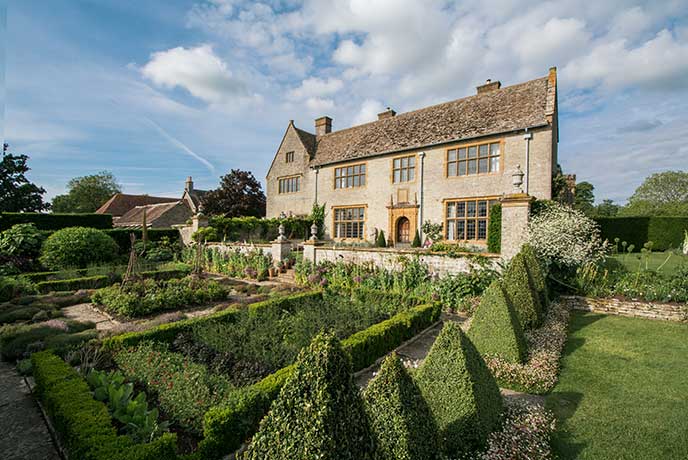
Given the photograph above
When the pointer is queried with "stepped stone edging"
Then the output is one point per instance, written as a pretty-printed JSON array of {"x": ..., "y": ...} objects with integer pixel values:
[{"x": 650, "y": 310}]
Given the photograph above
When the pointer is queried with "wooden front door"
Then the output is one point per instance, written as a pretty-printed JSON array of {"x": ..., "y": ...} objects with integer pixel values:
[{"x": 403, "y": 230}]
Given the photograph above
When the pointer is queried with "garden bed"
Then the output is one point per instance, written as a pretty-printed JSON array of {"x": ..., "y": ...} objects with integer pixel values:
[{"x": 213, "y": 378}]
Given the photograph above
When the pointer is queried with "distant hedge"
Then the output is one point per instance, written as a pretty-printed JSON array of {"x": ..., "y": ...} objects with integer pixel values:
[
  {"x": 664, "y": 232},
  {"x": 255, "y": 229},
  {"x": 55, "y": 221},
  {"x": 121, "y": 236}
]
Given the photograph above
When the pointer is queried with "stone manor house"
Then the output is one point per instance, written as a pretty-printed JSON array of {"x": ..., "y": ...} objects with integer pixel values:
[{"x": 446, "y": 163}]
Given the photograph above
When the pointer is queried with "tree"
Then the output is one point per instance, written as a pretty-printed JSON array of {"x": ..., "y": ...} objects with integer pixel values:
[
  {"x": 17, "y": 194},
  {"x": 87, "y": 193},
  {"x": 239, "y": 195},
  {"x": 661, "y": 194},
  {"x": 584, "y": 197},
  {"x": 606, "y": 209}
]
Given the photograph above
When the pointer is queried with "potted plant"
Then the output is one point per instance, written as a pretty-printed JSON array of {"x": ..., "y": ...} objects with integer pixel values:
[
  {"x": 282, "y": 266},
  {"x": 273, "y": 271}
]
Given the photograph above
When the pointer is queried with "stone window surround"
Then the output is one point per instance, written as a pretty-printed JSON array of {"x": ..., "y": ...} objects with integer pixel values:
[
  {"x": 335, "y": 221},
  {"x": 283, "y": 184},
  {"x": 408, "y": 168},
  {"x": 344, "y": 176},
  {"x": 477, "y": 145},
  {"x": 490, "y": 200},
  {"x": 289, "y": 157}
]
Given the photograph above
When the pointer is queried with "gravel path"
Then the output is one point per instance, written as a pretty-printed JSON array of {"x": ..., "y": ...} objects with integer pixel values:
[{"x": 24, "y": 435}]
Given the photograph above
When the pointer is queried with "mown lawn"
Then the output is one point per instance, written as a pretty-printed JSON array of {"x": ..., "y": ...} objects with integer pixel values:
[
  {"x": 667, "y": 261},
  {"x": 623, "y": 390}
]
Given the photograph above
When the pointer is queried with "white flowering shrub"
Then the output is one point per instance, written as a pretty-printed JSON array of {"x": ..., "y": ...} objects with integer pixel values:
[{"x": 566, "y": 237}]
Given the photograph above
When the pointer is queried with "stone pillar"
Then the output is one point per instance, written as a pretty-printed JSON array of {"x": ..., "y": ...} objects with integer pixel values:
[
  {"x": 515, "y": 214},
  {"x": 198, "y": 221},
  {"x": 309, "y": 250},
  {"x": 280, "y": 250}
]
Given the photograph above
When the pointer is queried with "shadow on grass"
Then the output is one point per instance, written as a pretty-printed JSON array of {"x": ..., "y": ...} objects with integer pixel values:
[{"x": 564, "y": 405}]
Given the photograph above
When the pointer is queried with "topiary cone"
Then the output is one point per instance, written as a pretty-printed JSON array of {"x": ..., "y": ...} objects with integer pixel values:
[{"x": 521, "y": 292}]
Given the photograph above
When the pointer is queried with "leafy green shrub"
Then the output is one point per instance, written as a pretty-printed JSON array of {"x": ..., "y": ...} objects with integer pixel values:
[
  {"x": 84, "y": 425},
  {"x": 205, "y": 234},
  {"x": 15, "y": 287},
  {"x": 55, "y": 221},
  {"x": 495, "y": 329},
  {"x": 399, "y": 416},
  {"x": 77, "y": 247},
  {"x": 253, "y": 264},
  {"x": 416, "y": 240},
  {"x": 22, "y": 240},
  {"x": 19, "y": 340},
  {"x": 520, "y": 291},
  {"x": 537, "y": 273},
  {"x": 318, "y": 413},
  {"x": 653, "y": 286},
  {"x": 147, "y": 296},
  {"x": 494, "y": 229},
  {"x": 122, "y": 237},
  {"x": 460, "y": 390},
  {"x": 380, "y": 242},
  {"x": 255, "y": 229},
  {"x": 184, "y": 389},
  {"x": 18, "y": 313}
]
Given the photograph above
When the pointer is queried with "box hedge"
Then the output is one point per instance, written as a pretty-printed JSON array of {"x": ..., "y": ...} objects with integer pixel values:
[
  {"x": 399, "y": 417},
  {"x": 495, "y": 329},
  {"x": 664, "y": 232},
  {"x": 461, "y": 392},
  {"x": 519, "y": 287},
  {"x": 55, "y": 221},
  {"x": 83, "y": 424},
  {"x": 227, "y": 426},
  {"x": 101, "y": 281},
  {"x": 494, "y": 229},
  {"x": 538, "y": 275},
  {"x": 319, "y": 412}
]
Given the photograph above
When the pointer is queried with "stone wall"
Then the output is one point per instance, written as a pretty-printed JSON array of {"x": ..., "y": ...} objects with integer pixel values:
[
  {"x": 651, "y": 310},
  {"x": 389, "y": 258},
  {"x": 242, "y": 248}
]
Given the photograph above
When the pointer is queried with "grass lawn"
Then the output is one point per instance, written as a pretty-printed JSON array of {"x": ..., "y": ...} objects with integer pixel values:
[
  {"x": 633, "y": 262},
  {"x": 623, "y": 390}
]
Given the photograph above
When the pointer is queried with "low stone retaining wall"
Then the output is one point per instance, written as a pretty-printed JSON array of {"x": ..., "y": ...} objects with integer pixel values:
[
  {"x": 241, "y": 247},
  {"x": 651, "y": 310},
  {"x": 389, "y": 258}
]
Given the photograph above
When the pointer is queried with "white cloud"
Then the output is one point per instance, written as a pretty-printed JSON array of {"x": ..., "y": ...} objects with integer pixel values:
[
  {"x": 369, "y": 110},
  {"x": 198, "y": 70},
  {"x": 315, "y": 87},
  {"x": 318, "y": 105}
]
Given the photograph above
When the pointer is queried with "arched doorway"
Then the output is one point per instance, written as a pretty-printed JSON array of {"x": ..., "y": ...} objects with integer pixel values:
[{"x": 403, "y": 230}]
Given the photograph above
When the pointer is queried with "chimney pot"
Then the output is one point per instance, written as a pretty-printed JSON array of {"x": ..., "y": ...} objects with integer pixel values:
[
  {"x": 389, "y": 113},
  {"x": 323, "y": 125},
  {"x": 189, "y": 184},
  {"x": 489, "y": 86}
]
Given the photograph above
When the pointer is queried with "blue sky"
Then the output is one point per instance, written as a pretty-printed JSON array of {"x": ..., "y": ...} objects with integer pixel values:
[{"x": 157, "y": 90}]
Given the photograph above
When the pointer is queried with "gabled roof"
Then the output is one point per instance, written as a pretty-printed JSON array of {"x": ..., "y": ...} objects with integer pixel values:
[
  {"x": 134, "y": 218},
  {"x": 121, "y": 203},
  {"x": 196, "y": 196},
  {"x": 308, "y": 140},
  {"x": 525, "y": 105}
]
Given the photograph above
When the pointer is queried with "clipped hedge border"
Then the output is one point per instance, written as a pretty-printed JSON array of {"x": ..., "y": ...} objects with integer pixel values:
[
  {"x": 664, "y": 232},
  {"x": 55, "y": 221},
  {"x": 84, "y": 424},
  {"x": 226, "y": 427},
  {"x": 101, "y": 281}
]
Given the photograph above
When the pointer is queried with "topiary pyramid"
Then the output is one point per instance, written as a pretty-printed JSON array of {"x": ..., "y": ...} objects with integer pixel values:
[
  {"x": 399, "y": 416},
  {"x": 520, "y": 291},
  {"x": 381, "y": 242},
  {"x": 461, "y": 392},
  {"x": 416, "y": 240},
  {"x": 319, "y": 412},
  {"x": 537, "y": 274},
  {"x": 495, "y": 329}
]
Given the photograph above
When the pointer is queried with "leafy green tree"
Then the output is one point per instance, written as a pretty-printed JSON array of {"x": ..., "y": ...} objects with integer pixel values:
[
  {"x": 239, "y": 195},
  {"x": 584, "y": 198},
  {"x": 17, "y": 193},
  {"x": 661, "y": 194},
  {"x": 606, "y": 209},
  {"x": 87, "y": 193}
]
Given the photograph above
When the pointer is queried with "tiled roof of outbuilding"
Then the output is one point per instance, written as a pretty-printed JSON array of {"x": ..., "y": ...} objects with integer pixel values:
[
  {"x": 121, "y": 203},
  {"x": 524, "y": 105},
  {"x": 134, "y": 218}
]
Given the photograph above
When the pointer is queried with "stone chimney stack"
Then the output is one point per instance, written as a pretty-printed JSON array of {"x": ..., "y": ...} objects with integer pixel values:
[
  {"x": 489, "y": 86},
  {"x": 323, "y": 125},
  {"x": 188, "y": 186},
  {"x": 389, "y": 113}
]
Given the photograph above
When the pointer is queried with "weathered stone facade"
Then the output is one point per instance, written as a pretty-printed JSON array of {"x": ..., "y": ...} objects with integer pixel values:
[
  {"x": 418, "y": 201},
  {"x": 650, "y": 310}
]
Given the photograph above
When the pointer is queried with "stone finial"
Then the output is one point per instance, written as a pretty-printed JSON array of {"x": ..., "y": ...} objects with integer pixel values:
[
  {"x": 280, "y": 230},
  {"x": 314, "y": 232},
  {"x": 517, "y": 179}
]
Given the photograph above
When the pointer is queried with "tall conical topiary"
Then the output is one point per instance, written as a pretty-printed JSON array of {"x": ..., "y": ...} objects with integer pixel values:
[
  {"x": 399, "y": 416},
  {"x": 381, "y": 242},
  {"x": 416, "y": 240},
  {"x": 319, "y": 412},
  {"x": 537, "y": 274},
  {"x": 461, "y": 392},
  {"x": 522, "y": 294},
  {"x": 495, "y": 329}
]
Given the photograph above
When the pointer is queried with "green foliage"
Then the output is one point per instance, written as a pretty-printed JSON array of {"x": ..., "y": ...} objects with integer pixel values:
[
  {"x": 140, "y": 423},
  {"x": 55, "y": 221},
  {"x": 17, "y": 341},
  {"x": 664, "y": 232},
  {"x": 400, "y": 418},
  {"x": 84, "y": 424},
  {"x": 253, "y": 264},
  {"x": 494, "y": 229},
  {"x": 433, "y": 232},
  {"x": 584, "y": 197},
  {"x": 77, "y": 247},
  {"x": 17, "y": 194},
  {"x": 416, "y": 240},
  {"x": 537, "y": 273},
  {"x": 15, "y": 287},
  {"x": 520, "y": 290},
  {"x": 146, "y": 296},
  {"x": 122, "y": 237},
  {"x": 495, "y": 329},
  {"x": 239, "y": 194},
  {"x": 22, "y": 240},
  {"x": 664, "y": 193},
  {"x": 380, "y": 242},
  {"x": 317, "y": 217},
  {"x": 255, "y": 229},
  {"x": 606, "y": 209},
  {"x": 87, "y": 194},
  {"x": 318, "y": 413},
  {"x": 205, "y": 234},
  {"x": 101, "y": 281},
  {"x": 460, "y": 390}
]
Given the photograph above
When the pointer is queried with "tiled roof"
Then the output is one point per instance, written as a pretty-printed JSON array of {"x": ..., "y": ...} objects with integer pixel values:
[
  {"x": 121, "y": 203},
  {"x": 196, "y": 197},
  {"x": 524, "y": 105},
  {"x": 308, "y": 140},
  {"x": 134, "y": 218}
]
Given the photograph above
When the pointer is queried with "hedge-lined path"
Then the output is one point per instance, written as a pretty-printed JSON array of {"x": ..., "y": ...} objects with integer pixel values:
[
  {"x": 86, "y": 312},
  {"x": 24, "y": 433},
  {"x": 414, "y": 349}
]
